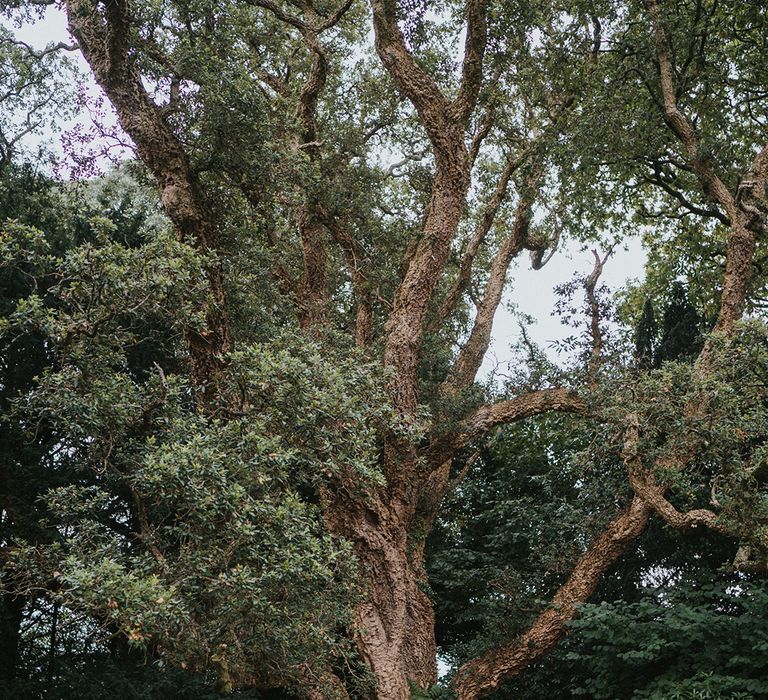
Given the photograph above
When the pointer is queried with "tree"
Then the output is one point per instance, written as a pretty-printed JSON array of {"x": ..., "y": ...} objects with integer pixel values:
[
  {"x": 681, "y": 328},
  {"x": 334, "y": 307},
  {"x": 645, "y": 335}
]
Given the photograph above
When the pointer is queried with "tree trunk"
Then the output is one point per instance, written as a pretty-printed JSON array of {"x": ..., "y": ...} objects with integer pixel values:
[
  {"x": 395, "y": 625},
  {"x": 394, "y": 621}
]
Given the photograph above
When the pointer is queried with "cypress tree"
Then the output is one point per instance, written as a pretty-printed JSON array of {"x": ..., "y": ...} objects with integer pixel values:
[
  {"x": 681, "y": 328},
  {"x": 646, "y": 335}
]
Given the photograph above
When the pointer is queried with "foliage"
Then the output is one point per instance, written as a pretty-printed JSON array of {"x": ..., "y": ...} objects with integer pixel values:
[
  {"x": 683, "y": 642},
  {"x": 511, "y": 531},
  {"x": 193, "y": 405},
  {"x": 201, "y": 538}
]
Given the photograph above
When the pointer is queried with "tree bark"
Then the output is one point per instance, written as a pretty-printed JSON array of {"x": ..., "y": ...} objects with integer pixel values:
[
  {"x": 103, "y": 41},
  {"x": 484, "y": 674},
  {"x": 395, "y": 621}
]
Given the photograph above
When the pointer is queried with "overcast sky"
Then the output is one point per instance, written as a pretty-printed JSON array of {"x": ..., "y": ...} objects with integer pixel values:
[{"x": 531, "y": 292}]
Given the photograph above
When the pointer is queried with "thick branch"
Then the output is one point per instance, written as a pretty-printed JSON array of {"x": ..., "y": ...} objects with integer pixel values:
[
  {"x": 405, "y": 325},
  {"x": 313, "y": 286},
  {"x": 103, "y": 40},
  {"x": 741, "y": 239},
  {"x": 524, "y": 406},
  {"x": 419, "y": 87},
  {"x": 484, "y": 674},
  {"x": 471, "y": 355},
  {"x": 312, "y": 289},
  {"x": 480, "y": 234},
  {"x": 753, "y": 209},
  {"x": 677, "y": 121},
  {"x": 644, "y": 486},
  {"x": 472, "y": 67},
  {"x": 445, "y": 127}
]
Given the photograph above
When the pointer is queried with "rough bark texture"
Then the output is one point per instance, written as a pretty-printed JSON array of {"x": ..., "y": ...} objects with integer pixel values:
[
  {"x": 644, "y": 485},
  {"x": 470, "y": 358},
  {"x": 445, "y": 122},
  {"x": 481, "y": 232},
  {"x": 484, "y": 674},
  {"x": 512, "y": 410},
  {"x": 102, "y": 35},
  {"x": 395, "y": 624},
  {"x": 743, "y": 224}
]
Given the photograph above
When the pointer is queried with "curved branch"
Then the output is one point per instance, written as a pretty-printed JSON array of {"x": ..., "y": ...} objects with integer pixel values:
[
  {"x": 419, "y": 87},
  {"x": 527, "y": 405},
  {"x": 677, "y": 121},
  {"x": 741, "y": 239},
  {"x": 484, "y": 674},
  {"x": 643, "y": 484}
]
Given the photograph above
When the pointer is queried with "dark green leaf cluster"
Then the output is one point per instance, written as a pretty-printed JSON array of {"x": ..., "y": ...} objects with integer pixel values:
[{"x": 700, "y": 641}]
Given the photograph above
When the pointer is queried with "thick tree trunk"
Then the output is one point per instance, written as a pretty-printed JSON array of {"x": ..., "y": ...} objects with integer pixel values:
[
  {"x": 395, "y": 620},
  {"x": 405, "y": 325},
  {"x": 395, "y": 625}
]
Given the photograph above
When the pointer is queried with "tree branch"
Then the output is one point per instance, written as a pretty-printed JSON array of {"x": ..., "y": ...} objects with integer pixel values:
[
  {"x": 741, "y": 239},
  {"x": 470, "y": 357},
  {"x": 103, "y": 40},
  {"x": 594, "y": 313},
  {"x": 360, "y": 285},
  {"x": 534, "y": 403},
  {"x": 483, "y": 129},
  {"x": 472, "y": 66},
  {"x": 481, "y": 232},
  {"x": 644, "y": 486},
  {"x": 419, "y": 87},
  {"x": 677, "y": 121},
  {"x": 485, "y": 673}
]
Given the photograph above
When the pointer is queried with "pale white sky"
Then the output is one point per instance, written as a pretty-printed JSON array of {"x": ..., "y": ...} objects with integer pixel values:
[{"x": 532, "y": 292}]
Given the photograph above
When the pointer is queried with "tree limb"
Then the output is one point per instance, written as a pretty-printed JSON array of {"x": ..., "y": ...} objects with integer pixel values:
[
  {"x": 472, "y": 66},
  {"x": 470, "y": 357},
  {"x": 485, "y": 673},
  {"x": 103, "y": 40},
  {"x": 594, "y": 313},
  {"x": 533, "y": 403},
  {"x": 481, "y": 232},
  {"x": 677, "y": 121}
]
